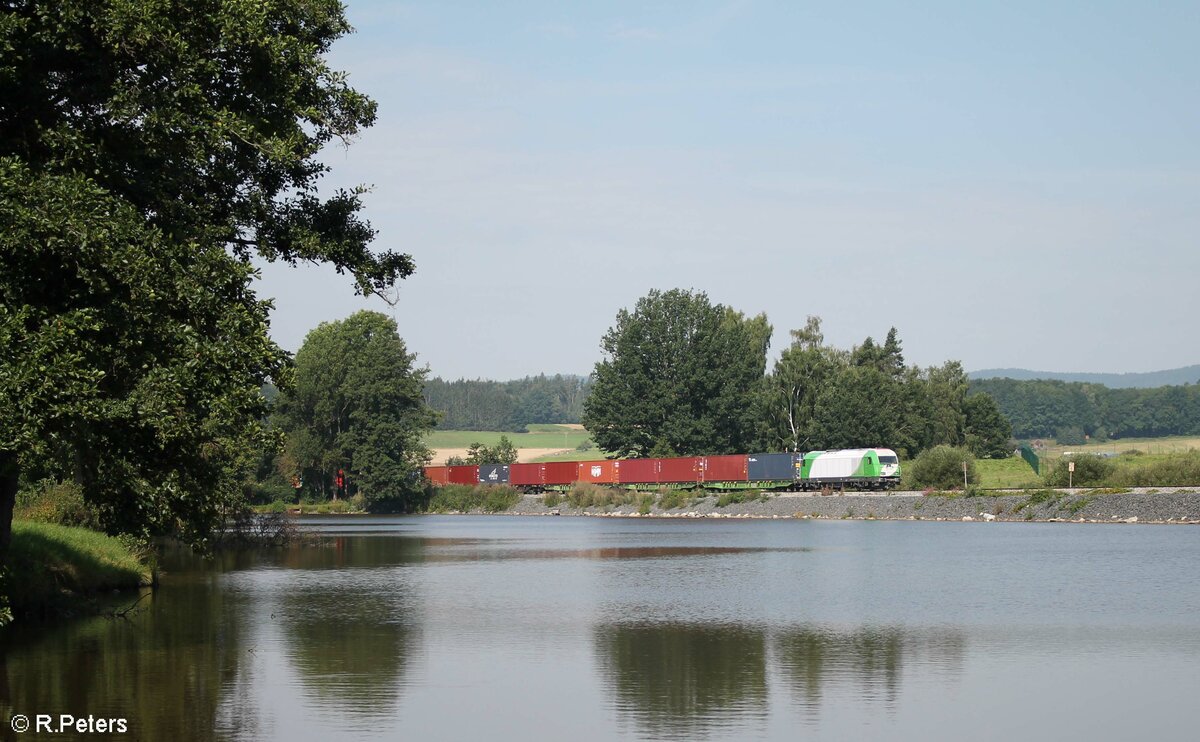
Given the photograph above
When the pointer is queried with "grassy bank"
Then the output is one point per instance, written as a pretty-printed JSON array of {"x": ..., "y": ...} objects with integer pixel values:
[{"x": 54, "y": 569}]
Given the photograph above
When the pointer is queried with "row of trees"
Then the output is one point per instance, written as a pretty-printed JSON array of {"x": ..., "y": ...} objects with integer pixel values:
[
  {"x": 683, "y": 376},
  {"x": 148, "y": 152},
  {"x": 1043, "y": 409},
  {"x": 477, "y": 404}
]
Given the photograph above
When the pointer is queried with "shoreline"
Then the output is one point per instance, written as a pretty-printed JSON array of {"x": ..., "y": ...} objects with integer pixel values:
[{"x": 1180, "y": 507}]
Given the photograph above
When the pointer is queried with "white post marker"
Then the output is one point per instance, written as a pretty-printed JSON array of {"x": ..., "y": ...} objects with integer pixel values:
[
  {"x": 964, "y": 476},
  {"x": 1070, "y": 475}
]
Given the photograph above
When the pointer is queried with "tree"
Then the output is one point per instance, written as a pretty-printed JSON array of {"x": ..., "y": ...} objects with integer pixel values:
[
  {"x": 357, "y": 407},
  {"x": 169, "y": 143},
  {"x": 679, "y": 374},
  {"x": 947, "y": 389},
  {"x": 987, "y": 433},
  {"x": 502, "y": 453},
  {"x": 133, "y": 363},
  {"x": 791, "y": 391}
]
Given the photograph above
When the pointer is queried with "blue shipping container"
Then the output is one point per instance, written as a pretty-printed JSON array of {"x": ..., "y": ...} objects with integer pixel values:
[
  {"x": 493, "y": 473},
  {"x": 769, "y": 467}
]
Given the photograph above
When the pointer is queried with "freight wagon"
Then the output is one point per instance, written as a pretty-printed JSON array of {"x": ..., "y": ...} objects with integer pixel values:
[{"x": 864, "y": 468}]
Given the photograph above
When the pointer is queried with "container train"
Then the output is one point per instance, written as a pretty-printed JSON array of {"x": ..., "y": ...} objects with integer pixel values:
[{"x": 860, "y": 468}]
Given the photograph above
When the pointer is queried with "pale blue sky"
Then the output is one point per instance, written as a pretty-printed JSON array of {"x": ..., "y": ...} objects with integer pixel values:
[{"x": 1009, "y": 184}]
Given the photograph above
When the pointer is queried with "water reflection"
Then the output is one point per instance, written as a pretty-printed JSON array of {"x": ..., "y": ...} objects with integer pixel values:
[
  {"x": 680, "y": 681},
  {"x": 163, "y": 668},
  {"x": 675, "y": 680},
  {"x": 350, "y": 647},
  {"x": 871, "y": 659}
]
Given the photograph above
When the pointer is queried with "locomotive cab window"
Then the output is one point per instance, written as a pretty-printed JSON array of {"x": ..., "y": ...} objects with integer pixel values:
[{"x": 888, "y": 460}]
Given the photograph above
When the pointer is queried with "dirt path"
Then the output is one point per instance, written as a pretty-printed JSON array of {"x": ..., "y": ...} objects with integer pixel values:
[{"x": 523, "y": 454}]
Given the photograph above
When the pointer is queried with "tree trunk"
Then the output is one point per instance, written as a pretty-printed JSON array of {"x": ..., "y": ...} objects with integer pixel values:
[{"x": 10, "y": 473}]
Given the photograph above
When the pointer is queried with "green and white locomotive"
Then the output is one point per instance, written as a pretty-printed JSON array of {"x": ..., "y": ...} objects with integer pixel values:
[{"x": 864, "y": 468}]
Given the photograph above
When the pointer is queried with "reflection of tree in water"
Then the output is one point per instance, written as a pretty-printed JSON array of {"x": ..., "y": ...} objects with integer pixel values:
[
  {"x": 680, "y": 680},
  {"x": 163, "y": 669},
  {"x": 350, "y": 644},
  {"x": 871, "y": 658}
]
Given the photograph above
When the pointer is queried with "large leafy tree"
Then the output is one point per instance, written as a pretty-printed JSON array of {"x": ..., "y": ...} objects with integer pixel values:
[
  {"x": 357, "y": 406},
  {"x": 678, "y": 377},
  {"x": 789, "y": 402},
  {"x": 168, "y": 144}
]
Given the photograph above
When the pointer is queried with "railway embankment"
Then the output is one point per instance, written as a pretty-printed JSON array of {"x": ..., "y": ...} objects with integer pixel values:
[{"x": 1167, "y": 506}]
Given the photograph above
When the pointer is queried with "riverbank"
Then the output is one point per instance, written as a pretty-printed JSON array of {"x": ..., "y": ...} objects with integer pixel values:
[
  {"x": 1179, "y": 506},
  {"x": 57, "y": 570}
]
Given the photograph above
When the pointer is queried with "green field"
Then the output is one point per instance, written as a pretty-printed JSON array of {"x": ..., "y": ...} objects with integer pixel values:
[
  {"x": 1171, "y": 444},
  {"x": 539, "y": 436}
]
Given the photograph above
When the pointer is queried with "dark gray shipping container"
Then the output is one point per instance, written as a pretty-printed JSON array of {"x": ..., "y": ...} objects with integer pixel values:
[
  {"x": 493, "y": 473},
  {"x": 767, "y": 467}
]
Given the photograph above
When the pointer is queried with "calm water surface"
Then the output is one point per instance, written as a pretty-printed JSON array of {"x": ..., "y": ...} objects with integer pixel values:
[{"x": 508, "y": 628}]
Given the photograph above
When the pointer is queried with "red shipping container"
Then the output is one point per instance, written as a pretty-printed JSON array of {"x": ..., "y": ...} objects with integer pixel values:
[
  {"x": 464, "y": 474},
  {"x": 637, "y": 471},
  {"x": 723, "y": 468},
  {"x": 599, "y": 472},
  {"x": 526, "y": 474},
  {"x": 438, "y": 475},
  {"x": 679, "y": 470},
  {"x": 561, "y": 472}
]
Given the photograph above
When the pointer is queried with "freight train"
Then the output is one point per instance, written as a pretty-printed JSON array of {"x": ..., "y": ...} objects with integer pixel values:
[{"x": 861, "y": 468}]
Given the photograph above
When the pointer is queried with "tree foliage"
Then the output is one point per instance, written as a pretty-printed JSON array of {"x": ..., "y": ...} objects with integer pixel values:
[
  {"x": 476, "y": 404},
  {"x": 1041, "y": 409},
  {"x": 821, "y": 397},
  {"x": 679, "y": 377},
  {"x": 133, "y": 362},
  {"x": 504, "y": 452},
  {"x": 147, "y": 152},
  {"x": 357, "y": 406}
]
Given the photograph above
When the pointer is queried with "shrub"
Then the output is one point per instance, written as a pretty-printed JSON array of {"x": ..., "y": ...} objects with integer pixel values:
[
  {"x": 674, "y": 499},
  {"x": 550, "y": 499},
  {"x": 1174, "y": 470},
  {"x": 1090, "y": 471},
  {"x": 489, "y": 498},
  {"x": 585, "y": 446},
  {"x": 941, "y": 467},
  {"x": 587, "y": 495},
  {"x": 56, "y": 502}
]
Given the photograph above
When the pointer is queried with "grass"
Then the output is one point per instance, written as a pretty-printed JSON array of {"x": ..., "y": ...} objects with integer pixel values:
[
  {"x": 54, "y": 568},
  {"x": 1164, "y": 445},
  {"x": 539, "y": 436},
  {"x": 1010, "y": 473}
]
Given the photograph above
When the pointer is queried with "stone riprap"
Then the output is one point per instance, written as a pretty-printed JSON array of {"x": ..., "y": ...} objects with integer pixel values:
[{"x": 1078, "y": 505}]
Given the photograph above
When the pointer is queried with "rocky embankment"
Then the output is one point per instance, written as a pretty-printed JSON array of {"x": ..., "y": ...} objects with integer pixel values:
[{"x": 1174, "y": 506}]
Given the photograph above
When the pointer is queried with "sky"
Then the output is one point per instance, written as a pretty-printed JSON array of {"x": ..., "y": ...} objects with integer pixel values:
[{"x": 1009, "y": 184}]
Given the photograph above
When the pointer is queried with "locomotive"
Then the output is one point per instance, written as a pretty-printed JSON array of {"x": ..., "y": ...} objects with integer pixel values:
[{"x": 859, "y": 468}]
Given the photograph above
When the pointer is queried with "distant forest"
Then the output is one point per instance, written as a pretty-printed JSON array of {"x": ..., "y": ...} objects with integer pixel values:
[
  {"x": 1147, "y": 380},
  {"x": 479, "y": 404},
  {"x": 1069, "y": 411}
]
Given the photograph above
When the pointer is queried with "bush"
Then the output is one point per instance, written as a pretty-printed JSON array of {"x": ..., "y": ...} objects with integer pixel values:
[
  {"x": 550, "y": 499},
  {"x": 941, "y": 467},
  {"x": 1174, "y": 470},
  {"x": 490, "y": 498},
  {"x": 56, "y": 502},
  {"x": 1090, "y": 471},
  {"x": 586, "y": 495},
  {"x": 585, "y": 446}
]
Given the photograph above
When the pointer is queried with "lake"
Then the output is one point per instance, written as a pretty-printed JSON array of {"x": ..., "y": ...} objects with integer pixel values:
[{"x": 531, "y": 628}]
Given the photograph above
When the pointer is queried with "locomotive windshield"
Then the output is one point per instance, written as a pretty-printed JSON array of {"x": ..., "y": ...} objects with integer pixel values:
[{"x": 889, "y": 460}]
